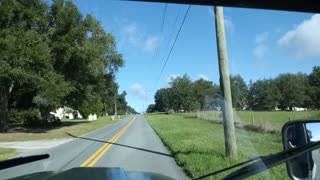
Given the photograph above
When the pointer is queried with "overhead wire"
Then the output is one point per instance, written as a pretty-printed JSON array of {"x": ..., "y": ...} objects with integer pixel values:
[
  {"x": 161, "y": 30},
  {"x": 172, "y": 47}
]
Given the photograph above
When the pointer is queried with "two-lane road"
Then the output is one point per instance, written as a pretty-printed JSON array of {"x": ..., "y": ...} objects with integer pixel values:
[{"x": 130, "y": 144}]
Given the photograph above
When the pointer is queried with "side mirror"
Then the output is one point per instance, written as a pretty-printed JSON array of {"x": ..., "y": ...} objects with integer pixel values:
[{"x": 300, "y": 133}]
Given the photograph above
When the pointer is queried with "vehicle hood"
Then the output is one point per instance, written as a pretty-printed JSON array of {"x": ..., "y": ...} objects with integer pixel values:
[{"x": 94, "y": 173}]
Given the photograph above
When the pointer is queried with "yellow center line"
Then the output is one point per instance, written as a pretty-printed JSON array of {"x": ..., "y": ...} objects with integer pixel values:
[{"x": 92, "y": 160}]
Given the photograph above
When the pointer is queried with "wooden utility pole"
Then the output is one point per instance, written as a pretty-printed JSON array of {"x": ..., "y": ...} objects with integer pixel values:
[{"x": 227, "y": 111}]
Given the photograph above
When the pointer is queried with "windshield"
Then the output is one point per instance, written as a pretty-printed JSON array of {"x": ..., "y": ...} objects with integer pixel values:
[{"x": 177, "y": 90}]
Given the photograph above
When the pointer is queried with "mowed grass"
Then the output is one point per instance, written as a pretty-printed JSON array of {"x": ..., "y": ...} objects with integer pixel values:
[
  {"x": 266, "y": 119},
  {"x": 7, "y": 153},
  {"x": 198, "y": 145},
  {"x": 74, "y": 127}
]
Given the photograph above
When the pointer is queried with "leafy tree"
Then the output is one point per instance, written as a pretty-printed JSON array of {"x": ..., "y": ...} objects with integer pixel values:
[
  {"x": 264, "y": 95},
  {"x": 213, "y": 100},
  {"x": 53, "y": 56},
  {"x": 202, "y": 91},
  {"x": 85, "y": 54},
  {"x": 293, "y": 89},
  {"x": 314, "y": 91},
  {"x": 239, "y": 92},
  {"x": 122, "y": 103},
  {"x": 151, "y": 108},
  {"x": 162, "y": 100},
  {"x": 181, "y": 94},
  {"x": 131, "y": 110},
  {"x": 25, "y": 62},
  {"x": 205, "y": 93}
]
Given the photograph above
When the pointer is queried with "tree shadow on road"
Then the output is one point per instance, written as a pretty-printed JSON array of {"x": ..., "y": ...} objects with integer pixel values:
[
  {"x": 122, "y": 145},
  {"x": 20, "y": 128}
]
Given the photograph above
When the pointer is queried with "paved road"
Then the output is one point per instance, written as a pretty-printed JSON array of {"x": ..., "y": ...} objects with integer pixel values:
[
  {"x": 130, "y": 144},
  {"x": 316, "y": 160}
]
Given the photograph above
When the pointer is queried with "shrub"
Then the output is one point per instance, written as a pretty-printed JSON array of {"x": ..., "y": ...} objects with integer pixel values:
[
  {"x": 27, "y": 117},
  {"x": 171, "y": 111},
  {"x": 15, "y": 117},
  {"x": 31, "y": 117},
  {"x": 91, "y": 109}
]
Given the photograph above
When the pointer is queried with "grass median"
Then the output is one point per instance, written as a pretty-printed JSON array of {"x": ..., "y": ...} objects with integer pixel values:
[
  {"x": 7, "y": 153},
  {"x": 198, "y": 146},
  {"x": 75, "y": 127}
]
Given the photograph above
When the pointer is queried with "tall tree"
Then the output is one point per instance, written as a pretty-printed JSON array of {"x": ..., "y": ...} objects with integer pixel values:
[
  {"x": 181, "y": 94},
  {"x": 85, "y": 54},
  {"x": 53, "y": 56},
  {"x": 264, "y": 95},
  {"x": 122, "y": 103},
  {"x": 151, "y": 108},
  {"x": 205, "y": 93},
  {"x": 293, "y": 89},
  {"x": 162, "y": 100},
  {"x": 25, "y": 63},
  {"x": 229, "y": 130},
  {"x": 314, "y": 80},
  {"x": 201, "y": 91},
  {"x": 239, "y": 92}
]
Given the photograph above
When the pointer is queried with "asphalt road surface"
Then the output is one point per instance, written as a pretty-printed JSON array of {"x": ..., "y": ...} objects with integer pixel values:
[
  {"x": 316, "y": 160},
  {"x": 130, "y": 144}
]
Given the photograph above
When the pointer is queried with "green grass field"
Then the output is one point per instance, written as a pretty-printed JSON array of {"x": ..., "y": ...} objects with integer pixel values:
[
  {"x": 7, "y": 153},
  {"x": 268, "y": 120},
  {"x": 198, "y": 145},
  {"x": 74, "y": 127}
]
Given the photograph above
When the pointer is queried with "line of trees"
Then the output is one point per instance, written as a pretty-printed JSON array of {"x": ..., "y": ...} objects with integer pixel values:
[
  {"x": 283, "y": 92},
  {"x": 52, "y": 55}
]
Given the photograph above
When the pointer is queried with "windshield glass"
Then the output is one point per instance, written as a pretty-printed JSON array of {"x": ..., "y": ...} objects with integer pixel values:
[{"x": 178, "y": 90}]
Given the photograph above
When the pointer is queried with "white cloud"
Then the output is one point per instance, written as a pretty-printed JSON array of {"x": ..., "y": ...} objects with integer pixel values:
[
  {"x": 151, "y": 43},
  {"x": 228, "y": 23},
  {"x": 202, "y": 76},
  {"x": 260, "y": 51},
  {"x": 131, "y": 34},
  {"x": 137, "y": 91},
  {"x": 261, "y": 48},
  {"x": 261, "y": 37},
  {"x": 303, "y": 40}
]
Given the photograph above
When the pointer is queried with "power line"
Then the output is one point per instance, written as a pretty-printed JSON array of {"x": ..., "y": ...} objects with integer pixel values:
[
  {"x": 175, "y": 40},
  {"x": 174, "y": 25},
  {"x": 161, "y": 30}
]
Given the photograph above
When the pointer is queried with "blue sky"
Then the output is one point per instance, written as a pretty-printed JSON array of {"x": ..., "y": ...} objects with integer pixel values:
[
  {"x": 261, "y": 43},
  {"x": 315, "y": 129}
]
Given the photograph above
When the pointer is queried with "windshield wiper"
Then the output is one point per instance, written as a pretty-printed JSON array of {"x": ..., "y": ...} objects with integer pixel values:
[
  {"x": 21, "y": 160},
  {"x": 262, "y": 163}
]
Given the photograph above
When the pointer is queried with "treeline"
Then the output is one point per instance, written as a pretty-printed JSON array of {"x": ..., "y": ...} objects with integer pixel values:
[
  {"x": 51, "y": 56},
  {"x": 282, "y": 93}
]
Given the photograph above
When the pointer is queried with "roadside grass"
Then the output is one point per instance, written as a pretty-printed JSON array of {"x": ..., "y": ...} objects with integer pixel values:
[
  {"x": 198, "y": 146},
  {"x": 75, "y": 127},
  {"x": 7, "y": 153},
  {"x": 264, "y": 119}
]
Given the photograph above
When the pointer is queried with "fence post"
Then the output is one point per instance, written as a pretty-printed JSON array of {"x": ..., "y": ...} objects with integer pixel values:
[
  {"x": 252, "y": 119},
  {"x": 289, "y": 118}
]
